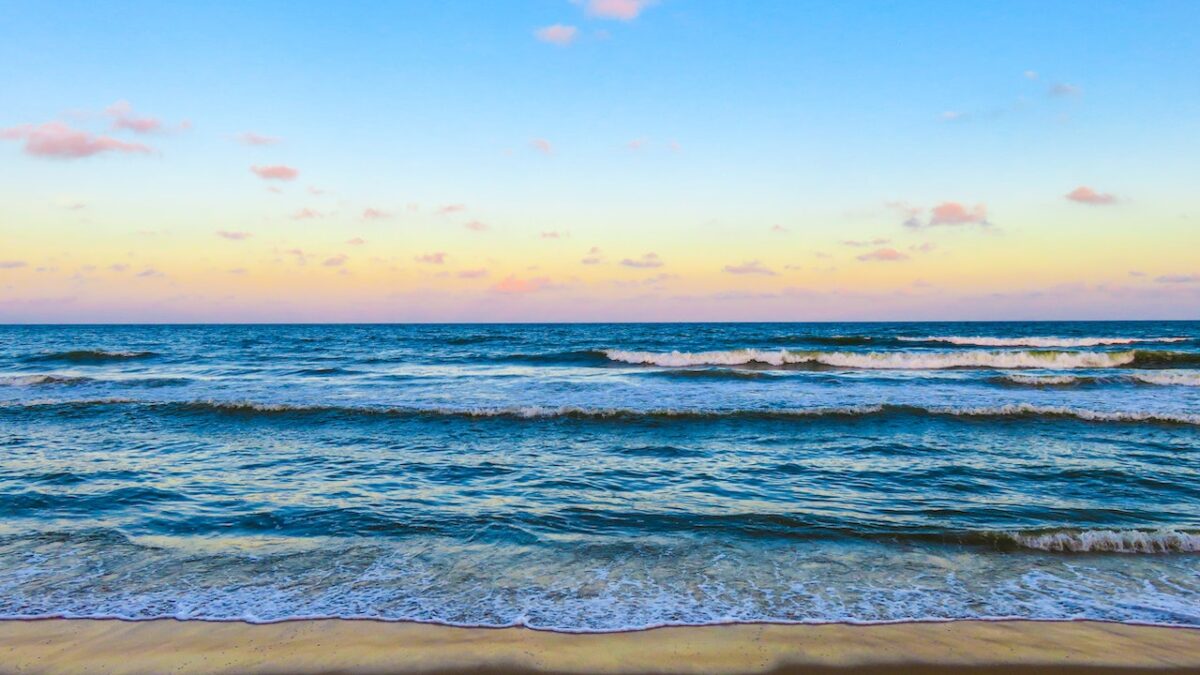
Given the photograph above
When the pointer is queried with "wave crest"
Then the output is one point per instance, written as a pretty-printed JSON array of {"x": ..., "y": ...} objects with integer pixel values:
[
  {"x": 92, "y": 356},
  {"x": 1110, "y": 541},
  {"x": 985, "y": 341},
  {"x": 880, "y": 360}
]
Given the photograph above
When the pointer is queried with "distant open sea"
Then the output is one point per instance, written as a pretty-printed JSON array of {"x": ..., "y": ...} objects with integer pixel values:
[{"x": 604, "y": 476}]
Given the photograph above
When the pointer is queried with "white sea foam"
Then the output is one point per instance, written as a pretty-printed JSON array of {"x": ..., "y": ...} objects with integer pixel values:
[
  {"x": 1111, "y": 541},
  {"x": 1078, "y": 413},
  {"x": 984, "y": 341},
  {"x": 881, "y": 360},
  {"x": 33, "y": 380},
  {"x": 1042, "y": 380},
  {"x": 1182, "y": 378}
]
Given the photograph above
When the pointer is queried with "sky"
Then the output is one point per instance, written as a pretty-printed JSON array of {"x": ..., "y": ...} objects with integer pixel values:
[{"x": 598, "y": 160}]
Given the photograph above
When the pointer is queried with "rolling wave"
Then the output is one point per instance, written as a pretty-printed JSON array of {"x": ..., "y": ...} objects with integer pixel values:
[
  {"x": 984, "y": 341},
  {"x": 35, "y": 380},
  {"x": 1110, "y": 541},
  {"x": 881, "y": 360},
  {"x": 250, "y": 408},
  {"x": 91, "y": 356},
  {"x": 1165, "y": 378}
]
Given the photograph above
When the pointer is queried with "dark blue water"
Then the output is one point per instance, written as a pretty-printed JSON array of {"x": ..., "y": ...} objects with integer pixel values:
[{"x": 597, "y": 477}]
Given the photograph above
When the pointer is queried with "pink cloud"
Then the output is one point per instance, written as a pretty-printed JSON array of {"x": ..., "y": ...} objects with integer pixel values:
[
  {"x": 275, "y": 172},
  {"x": 436, "y": 258},
  {"x": 473, "y": 274},
  {"x": 647, "y": 261},
  {"x": 118, "y": 267},
  {"x": 552, "y": 235},
  {"x": 593, "y": 257},
  {"x": 306, "y": 214},
  {"x": 512, "y": 284},
  {"x": 476, "y": 226},
  {"x": 336, "y": 261},
  {"x": 879, "y": 241},
  {"x": 750, "y": 267},
  {"x": 779, "y": 228},
  {"x": 12, "y": 264},
  {"x": 251, "y": 138},
  {"x": 557, "y": 34},
  {"x": 235, "y": 236},
  {"x": 542, "y": 145},
  {"x": 953, "y": 213},
  {"x": 123, "y": 118},
  {"x": 1178, "y": 279},
  {"x": 944, "y": 214},
  {"x": 451, "y": 208},
  {"x": 636, "y": 144},
  {"x": 55, "y": 139},
  {"x": 1086, "y": 195},
  {"x": 357, "y": 241},
  {"x": 375, "y": 214},
  {"x": 883, "y": 255},
  {"x": 622, "y": 10},
  {"x": 150, "y": 273}
]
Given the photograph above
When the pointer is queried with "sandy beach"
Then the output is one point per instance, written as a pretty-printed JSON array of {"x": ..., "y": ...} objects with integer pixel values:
[{"x": 342, "y": 646}]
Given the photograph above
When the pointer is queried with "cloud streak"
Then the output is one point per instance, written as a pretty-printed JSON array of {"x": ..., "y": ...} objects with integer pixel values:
[
  {"x": 557, "y": 34},
  {"x": 1086, "y": 195},
  {"x": 59, "y": 141},
  {"x": 275, "y": 172}
]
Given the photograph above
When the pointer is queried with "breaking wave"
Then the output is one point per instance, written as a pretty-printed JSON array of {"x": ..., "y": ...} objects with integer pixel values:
[
  {"x": 984, "y": 341},
  {"x": 35, "y": 380},
  {"x": 881, "y": 360},
  {"x": 1110, "y": 541},
  {"x": 250, "y": 408}
]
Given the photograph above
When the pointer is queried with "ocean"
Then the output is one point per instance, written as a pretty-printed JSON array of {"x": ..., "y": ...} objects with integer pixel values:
[{"x": 601, "y": 477}]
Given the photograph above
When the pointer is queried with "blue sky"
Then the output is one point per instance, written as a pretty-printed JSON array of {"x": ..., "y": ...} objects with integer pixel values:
[{"x": 692, "y": 127}]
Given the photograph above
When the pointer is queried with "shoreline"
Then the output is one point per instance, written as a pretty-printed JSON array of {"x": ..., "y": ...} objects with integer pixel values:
[{"x": 318, "y": 646}]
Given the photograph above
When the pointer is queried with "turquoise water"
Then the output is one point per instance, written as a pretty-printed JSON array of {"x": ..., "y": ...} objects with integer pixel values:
[{"x": 602, "y": 477}]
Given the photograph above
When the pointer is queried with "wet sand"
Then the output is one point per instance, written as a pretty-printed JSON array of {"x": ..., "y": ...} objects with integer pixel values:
[{"x": 340, "y": 646}]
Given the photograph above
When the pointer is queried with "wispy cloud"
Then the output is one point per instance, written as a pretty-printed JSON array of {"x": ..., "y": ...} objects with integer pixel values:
[
  {"x": 251, "y": 138},
  {"x": 123, "y": 118},
  {"x": 356, "y": 241},
  {"x": 472, "y": 274},
  {"x": 552, "y": 234},
  {"x": 952, "y": 214},
  {"x": 779, "y": 229},
  {"x": 557, "y": 34},
  {"x": 275, "y": 172},
  {"x": 647, "y": 261},
  {"x": 336, "y": 261},
  {"x": 12, "y": 264},
  {"x": 235, "y": 236},
  {"x": 59, "y": 141},
  {"x": 1179, "y": 279},
  {"x": 854, "y": 243},
  {"x": 1062, "y": 89},
  {"x": 435, "y": 258},
  {"x": 542, "y": 145},
  {"x": 307, "y": 214},
  {"x": 513, "y": 284},
  {"x": 750, "y": 267},
  {"x": 476, "y": 226},
  {"x": 883, "y": 255},
  {"x": 451, "y": 208},
  {"x": 593, "y": 257},
  {"x": 375, "y": 214},
  {"x": 621, "y": 10},
  {"x": 1086, "y": 195}
]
